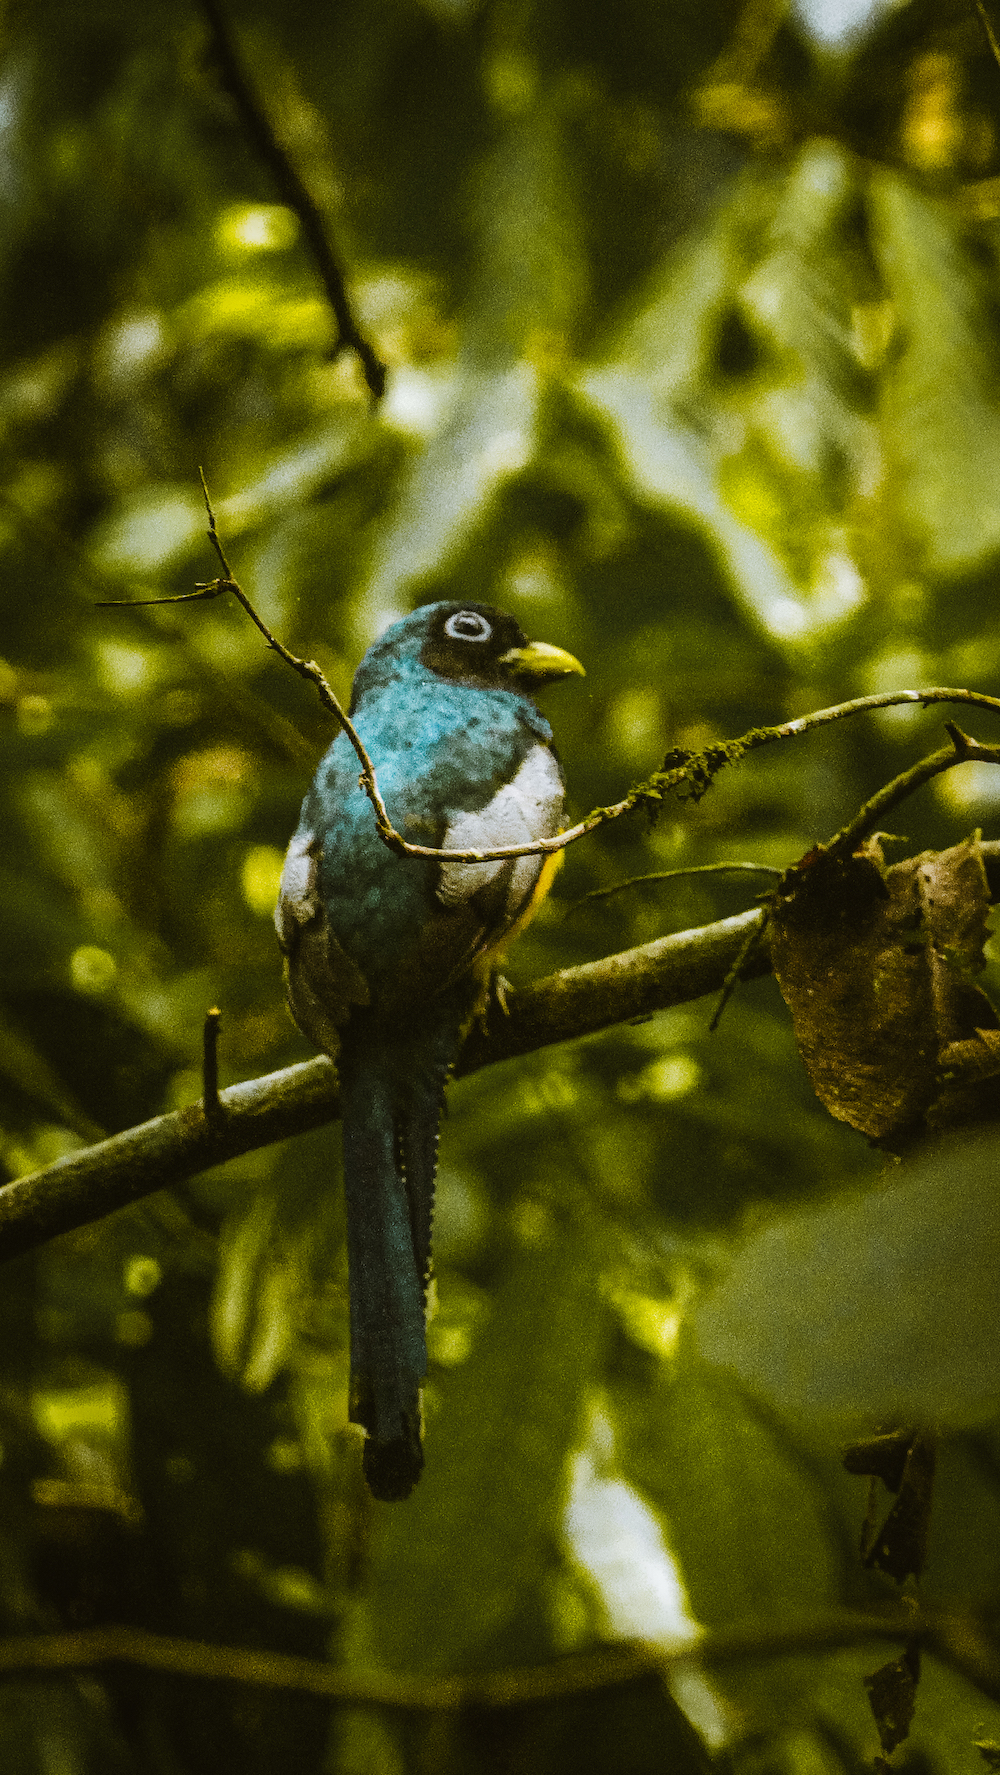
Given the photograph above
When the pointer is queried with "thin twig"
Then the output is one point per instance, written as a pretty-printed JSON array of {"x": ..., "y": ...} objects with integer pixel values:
[
  {"x": 674, "y": 875},
  {"x": 693, "y": 771},
  {"x": 957, "y": 1639},
  {"x": 740, "y": 969},
  {"x": 296, "y": 195},
  {"x": 308, "y": 669},
  {"x": 984, "y": 19},
  {"x": 963, "y": 750}
]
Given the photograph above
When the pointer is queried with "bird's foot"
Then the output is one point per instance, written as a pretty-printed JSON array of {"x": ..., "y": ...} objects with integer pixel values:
[
  {"x": 500, "y": 986},
  {"x": 495, "y": 991}
]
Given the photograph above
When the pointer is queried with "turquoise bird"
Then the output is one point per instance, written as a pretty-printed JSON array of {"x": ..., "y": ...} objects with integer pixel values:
[{"x": 388, "y": 958}]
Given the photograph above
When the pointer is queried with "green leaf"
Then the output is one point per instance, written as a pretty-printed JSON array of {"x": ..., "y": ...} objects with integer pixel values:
[
  {"x": 658, "y": 388},
  {"x": 743, "y": 1512},
  {"x": 457, "y": 1571},
  {"x": 526, "y": 296},
  {"x": 880, "y": 1306},
  {"x": 280, "y": 1276},
  {"x": 940, "y": 398}
]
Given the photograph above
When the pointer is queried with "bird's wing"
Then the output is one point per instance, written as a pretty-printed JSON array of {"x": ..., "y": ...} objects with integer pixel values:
[
  {"x": 480, "y": 903},
  {"x": 322, "y": 981}
]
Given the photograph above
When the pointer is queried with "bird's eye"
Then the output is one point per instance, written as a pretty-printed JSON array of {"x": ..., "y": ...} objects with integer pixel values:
[{"x": 467, "y": 625}]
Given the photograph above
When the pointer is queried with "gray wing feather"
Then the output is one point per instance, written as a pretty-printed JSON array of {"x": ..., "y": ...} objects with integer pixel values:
[{"x": 321, "y": 980}]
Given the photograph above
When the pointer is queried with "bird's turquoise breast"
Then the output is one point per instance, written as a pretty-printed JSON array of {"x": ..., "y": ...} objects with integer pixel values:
[{"x": 438, "y": 749}]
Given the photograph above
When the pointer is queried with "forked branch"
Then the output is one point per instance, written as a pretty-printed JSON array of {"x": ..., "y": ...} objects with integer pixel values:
[{"x": 687, "y": 775}]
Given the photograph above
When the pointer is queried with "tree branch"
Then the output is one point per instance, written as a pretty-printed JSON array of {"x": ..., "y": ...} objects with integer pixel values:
[
  {"x": 957, "y": 1639},
  {"x": 686, "y": 774},
  {"x": 988, "y": 31},
  {"x": 296, "y": 195},
  {"x": 619, "y": 887},
  {"x": 91, "y": 1183},
  {"x": 963, "y": 750}
]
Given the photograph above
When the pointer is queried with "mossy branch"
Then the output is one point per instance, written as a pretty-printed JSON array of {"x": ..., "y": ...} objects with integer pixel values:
[
  {"x": 684, "y": 775},
  {"x": 93, "y": 1182}
]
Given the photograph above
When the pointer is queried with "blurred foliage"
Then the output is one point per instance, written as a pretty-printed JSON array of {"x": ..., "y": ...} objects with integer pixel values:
[{"x": 692, "y": 317}]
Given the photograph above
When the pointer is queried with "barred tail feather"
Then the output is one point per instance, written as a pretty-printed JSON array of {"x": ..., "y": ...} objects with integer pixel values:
[
  {"x": 419, "y": 1125},
  {"x": 392, "y": 1089},
  {"x": 388, "y": 1350}
]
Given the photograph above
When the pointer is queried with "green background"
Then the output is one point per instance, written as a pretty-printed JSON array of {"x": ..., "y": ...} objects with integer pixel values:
[{"x": 692, "y": 322}]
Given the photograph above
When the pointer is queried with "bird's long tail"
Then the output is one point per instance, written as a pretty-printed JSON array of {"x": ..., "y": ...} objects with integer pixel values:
[{"x": 392, "y": 1085}]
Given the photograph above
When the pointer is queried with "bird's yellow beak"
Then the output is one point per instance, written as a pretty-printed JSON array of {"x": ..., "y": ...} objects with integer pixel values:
[{"x": 539, "y": 661}]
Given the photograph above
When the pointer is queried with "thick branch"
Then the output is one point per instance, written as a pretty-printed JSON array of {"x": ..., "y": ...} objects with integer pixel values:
[{"x": 578, "y": 1001}]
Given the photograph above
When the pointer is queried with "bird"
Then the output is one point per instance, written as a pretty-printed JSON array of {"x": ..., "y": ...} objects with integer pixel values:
[{"x": 388, "y": 957}]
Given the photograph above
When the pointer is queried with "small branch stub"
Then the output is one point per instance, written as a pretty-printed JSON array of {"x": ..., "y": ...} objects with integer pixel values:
[{"x": 210, "y": 1100}]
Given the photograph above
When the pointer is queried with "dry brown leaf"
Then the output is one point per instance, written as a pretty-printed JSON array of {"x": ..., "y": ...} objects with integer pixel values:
[{"x": 876, "y": 968}]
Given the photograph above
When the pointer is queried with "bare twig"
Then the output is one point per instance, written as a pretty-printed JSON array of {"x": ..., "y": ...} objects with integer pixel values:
[
  {"x": 690, "y": 771},
  {"x": 306, "y": 668},
  {"x": 674, "y": 875},
  {"x": 963, "y": 750},
  {"x": 693, "y": 771},
  {"x": 688, "y": 774},
  {"x": 991, "y": 37},
  {"x": 742, "y": 968},
  {"x": 210, "y": 1063},
  {"x": 226, "y": 689},
  {"x": 958, "y": 1639},
  {"x": 296, "y": 195},
  {"x": 215, "y": 588}
]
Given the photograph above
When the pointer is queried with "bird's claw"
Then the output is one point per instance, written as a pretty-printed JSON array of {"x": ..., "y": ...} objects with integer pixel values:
[
  {"x": 498, "y": 992},
  {"x": 500, "y": 986}
]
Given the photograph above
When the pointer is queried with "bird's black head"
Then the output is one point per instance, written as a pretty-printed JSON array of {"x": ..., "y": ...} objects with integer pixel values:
[
  {"x": 477, "y": 644},
  {"x": 471, "y": 642},
  {"x": 466, "y": 643}
]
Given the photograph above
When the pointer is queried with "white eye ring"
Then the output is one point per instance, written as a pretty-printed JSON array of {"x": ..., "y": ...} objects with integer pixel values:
[{"x": 467, "y": 625}]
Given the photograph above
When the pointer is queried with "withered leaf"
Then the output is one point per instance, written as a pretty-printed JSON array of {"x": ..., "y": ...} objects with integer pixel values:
[
  {"x": 876, "y": 968},
  {"x": 883, "y": 1457},
  {"x": 955, "y": 900},
  {"x": 899, "y": 1545},
  {"x": 892, "y": 1692}
]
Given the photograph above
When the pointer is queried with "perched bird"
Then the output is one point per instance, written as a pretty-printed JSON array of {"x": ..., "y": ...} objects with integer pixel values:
[{"x": 388, "y": 957}]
